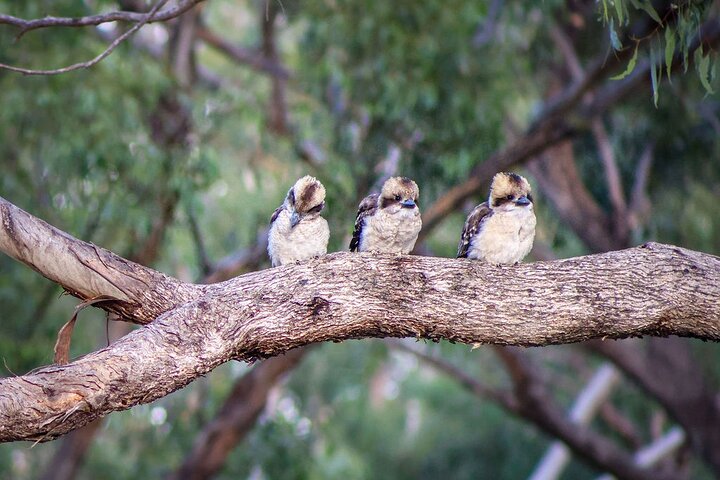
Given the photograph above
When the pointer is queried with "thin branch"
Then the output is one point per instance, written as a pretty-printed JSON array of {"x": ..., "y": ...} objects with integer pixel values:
[
  {"x": 203, "y": 259},
  {"x": 621, "y": 425},
  {"x": 120, "y": 16},
  {"x": 468, "y": 381},
  {"x": 278, "y": 115},
  {"x": 252, "y": 58},
  {"x": 77, "y": 66},
  {"x": 240, "y": 261}
]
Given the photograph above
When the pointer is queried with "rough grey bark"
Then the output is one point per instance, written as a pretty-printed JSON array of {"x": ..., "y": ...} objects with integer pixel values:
[{"x": 651, "y": 290}]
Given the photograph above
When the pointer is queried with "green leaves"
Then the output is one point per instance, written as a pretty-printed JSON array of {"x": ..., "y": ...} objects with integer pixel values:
[
  {"x": 705, "y": 73},
  {"x": 677, "y": 31},
  {"x": 669, "y": 49},
  {"x": 630, "y": 66}
]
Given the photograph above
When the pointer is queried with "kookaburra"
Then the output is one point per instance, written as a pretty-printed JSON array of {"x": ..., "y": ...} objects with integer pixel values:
[
  {"x": 297, "y": 231},
  {"x": 388, "y": 222},
  {"x": 502, "y": 229}
]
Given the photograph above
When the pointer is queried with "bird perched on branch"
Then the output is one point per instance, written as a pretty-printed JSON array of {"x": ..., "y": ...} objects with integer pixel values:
[
  {"x": 502, "y": 229},
  {"x": 297, "y": 231},
  {"x": 388, "y": 222}
]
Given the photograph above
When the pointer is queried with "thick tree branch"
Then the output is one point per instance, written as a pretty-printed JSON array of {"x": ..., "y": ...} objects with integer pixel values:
[
  {"x": 652, "y": 290},
  {"x": 87, "y": 271}
]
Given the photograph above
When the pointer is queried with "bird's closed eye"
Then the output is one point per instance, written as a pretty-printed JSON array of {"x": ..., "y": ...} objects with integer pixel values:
[{"x": 317, "y": 208}]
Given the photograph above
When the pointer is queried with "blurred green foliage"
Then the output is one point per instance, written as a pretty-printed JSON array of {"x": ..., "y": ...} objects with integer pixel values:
[{"x": 78, "y": 151}]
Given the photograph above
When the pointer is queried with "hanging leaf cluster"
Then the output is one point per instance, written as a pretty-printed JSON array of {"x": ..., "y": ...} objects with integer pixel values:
[{"x": 675, "y": 41}]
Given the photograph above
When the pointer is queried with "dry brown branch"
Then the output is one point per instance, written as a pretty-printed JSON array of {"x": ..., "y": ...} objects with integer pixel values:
[
  {"x": 153, "y": 15},
  {"x": 119, "y": 16},
  {"x": 250, "y": 57}
]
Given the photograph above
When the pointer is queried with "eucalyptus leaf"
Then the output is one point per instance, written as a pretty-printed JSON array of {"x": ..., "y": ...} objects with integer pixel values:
[
  {"x": 669, "y": 50},
  {"x": 630, "y": 66}
]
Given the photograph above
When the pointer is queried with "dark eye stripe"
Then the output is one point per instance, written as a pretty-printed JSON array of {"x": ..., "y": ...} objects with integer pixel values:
[{"x": 317, "y": 208}]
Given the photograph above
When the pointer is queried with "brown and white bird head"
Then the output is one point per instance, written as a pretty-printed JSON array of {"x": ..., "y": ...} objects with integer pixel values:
[
  {"x": 502, "y": 229},
  {"x": 399, "y": 194},
  {"x": 297, "y": 231},
  {"x": 305, "y": 199},
  {"x": 388, "y": 222},
  {"x": 510, "y": 191}
]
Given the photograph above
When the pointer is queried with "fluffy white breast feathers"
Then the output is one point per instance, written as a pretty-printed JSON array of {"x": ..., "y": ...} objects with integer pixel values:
[
  {"x": 297, "y": 230},
  {"x": 388, "y": 222},
  {"x": 502, "y": 229}
]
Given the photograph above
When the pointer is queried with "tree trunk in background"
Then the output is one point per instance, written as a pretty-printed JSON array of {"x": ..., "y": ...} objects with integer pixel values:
[{"x": 236, "y": 417}]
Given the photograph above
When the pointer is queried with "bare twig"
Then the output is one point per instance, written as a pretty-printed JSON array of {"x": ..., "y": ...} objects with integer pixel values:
[
  {"x": 238, "y": 262},
  {"x": 90, "y": 63},
  {"x": 621, "y": 425},
  {"x": 120, "y": 16}
]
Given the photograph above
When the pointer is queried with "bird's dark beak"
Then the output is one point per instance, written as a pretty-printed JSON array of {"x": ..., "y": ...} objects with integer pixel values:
[
  {"x": 409, "y": 203},
  {"x": 522, "y": 201},
  {"x": 295, "y": 218}
]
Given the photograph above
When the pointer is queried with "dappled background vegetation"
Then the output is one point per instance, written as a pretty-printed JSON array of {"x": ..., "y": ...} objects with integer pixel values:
[{"x": 174, "y": 153}]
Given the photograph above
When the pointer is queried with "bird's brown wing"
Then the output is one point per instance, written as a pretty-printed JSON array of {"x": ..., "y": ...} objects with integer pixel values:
[
  {"x": 472, "y": 226},
  {"x": 275, "y": 214},
  {"x": 367, "y": 207}
]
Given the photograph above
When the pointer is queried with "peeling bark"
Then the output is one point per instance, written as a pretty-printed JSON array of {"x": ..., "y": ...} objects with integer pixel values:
[{"x": 87, "y": 271}]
